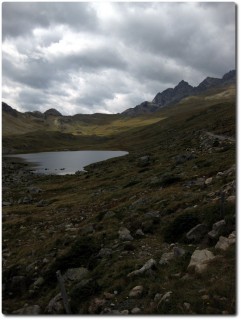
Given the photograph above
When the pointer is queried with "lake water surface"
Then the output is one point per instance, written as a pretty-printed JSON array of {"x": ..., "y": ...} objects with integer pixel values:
[{"x": 66, "y": 162}]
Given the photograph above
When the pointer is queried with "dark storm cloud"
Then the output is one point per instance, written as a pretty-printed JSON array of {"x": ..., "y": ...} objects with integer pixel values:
[
  {"x": 89, "y": 57},
  {"x": 20, "y": 18}
]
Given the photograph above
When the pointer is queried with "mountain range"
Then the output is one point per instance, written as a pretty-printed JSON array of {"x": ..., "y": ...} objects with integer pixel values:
[
  {"x": 181, "y": 91},
  {"x": 162, "y": 99}
]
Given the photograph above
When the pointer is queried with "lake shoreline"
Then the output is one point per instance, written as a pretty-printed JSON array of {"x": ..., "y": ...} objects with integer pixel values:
[{"x": 64, "y": 162}]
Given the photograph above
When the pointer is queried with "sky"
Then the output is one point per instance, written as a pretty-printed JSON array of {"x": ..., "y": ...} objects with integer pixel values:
[{"x": 88, "y": 57}]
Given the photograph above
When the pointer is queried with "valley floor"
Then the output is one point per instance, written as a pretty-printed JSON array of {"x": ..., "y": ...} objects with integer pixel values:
[{"x": 152, "y": 232}]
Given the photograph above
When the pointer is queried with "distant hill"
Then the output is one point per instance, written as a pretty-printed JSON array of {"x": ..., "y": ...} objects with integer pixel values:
[{"x": 181, "y": 91}]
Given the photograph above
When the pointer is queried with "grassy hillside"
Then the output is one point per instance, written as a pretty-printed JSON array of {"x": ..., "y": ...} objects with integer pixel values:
[{"x": 180, "y": 172}]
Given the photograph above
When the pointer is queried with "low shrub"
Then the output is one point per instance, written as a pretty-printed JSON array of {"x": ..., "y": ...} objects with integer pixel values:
[{"x": 180, "y": 225}]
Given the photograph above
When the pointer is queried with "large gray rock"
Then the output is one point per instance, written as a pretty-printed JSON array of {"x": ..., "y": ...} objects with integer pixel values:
[
  {"x": 217, "y": 229},
  {"x": 199, "y": 260},
  {"x": 197, "y": 233}
]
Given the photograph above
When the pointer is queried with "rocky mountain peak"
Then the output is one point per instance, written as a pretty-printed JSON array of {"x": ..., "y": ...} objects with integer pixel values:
[
  {"x": 52, "y": 112},
  {"x": 183, "y": 84},
  {"x": 207, "y": 83},
  {"x": 230, "y": 76}
]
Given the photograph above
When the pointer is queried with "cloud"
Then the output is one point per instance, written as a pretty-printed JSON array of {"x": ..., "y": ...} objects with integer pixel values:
[
  {"x": 21, "y": 18},
  {"x": 107, "y": 57}
]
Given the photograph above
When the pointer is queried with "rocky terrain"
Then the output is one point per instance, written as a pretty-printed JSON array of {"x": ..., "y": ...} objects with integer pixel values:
[{"x": 152, "y": 232}]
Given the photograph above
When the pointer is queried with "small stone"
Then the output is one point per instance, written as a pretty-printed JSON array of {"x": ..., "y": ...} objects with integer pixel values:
[
  {"x": 96, "y": 305},
  {"x": 6, "y": 203},
  {"x": 140, "y": 233},
  {"x": 115, "y": 292},
  {"x": 105, "y": 252},
  {"x": 166, "y": 297},
  {"x": 178, "y": 252},
  {"x": 45, "y": 260},
  {"x": 124, "y": 312},
  {"x": 197, "y": 232},
  {"x": 136, "y": 310},
  {"x": 109, "y": 214},
  {"x": 231, "y": 199},
  {"x": 136, "y": 292},
  {"x": 157, "y": 297},
  {"x": 38, "y": 282},
  {"x": 208, "y": 181},
  {"x": 205, "y": 297},
  {"x": 150, "y": 264},
  {"x": 187, "y": 306},
  {"x": 108, "y": 296}
]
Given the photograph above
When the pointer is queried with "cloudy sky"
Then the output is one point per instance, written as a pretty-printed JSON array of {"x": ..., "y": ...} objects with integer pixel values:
[{"x": 107, "y": 57}]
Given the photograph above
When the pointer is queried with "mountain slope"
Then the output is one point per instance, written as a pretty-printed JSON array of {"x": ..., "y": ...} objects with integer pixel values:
[{"x": 124, "y": 222}]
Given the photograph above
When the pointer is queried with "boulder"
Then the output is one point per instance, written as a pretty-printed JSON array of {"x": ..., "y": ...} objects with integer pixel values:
[
  {"x": 105, "y": 252},
  {"x": 136, "y": 310},
  {"x": 34, "y": 190},
  {"x": 136, "y": 292},
  {"x": 165, "y": 298},
  {"x": 197, "y": 233},
  {"x": 168, "y": 256},
  {"x": 231, "y": 199},
  {"x": 150, "y": 264},
  {"x": 109, "y": 214},
  {"x": 144, "y": 161},
  {"x": 55, "y": 305},
  {"x": 178, "y": 252},
  {"x": 96, "y": 305},
  {"x": 153, "y": 214},
  {"x": 124, "y": 234},
  {"x": 217, "y": 229},
  {"x": 38, "y": 283},
  {"x": 208, "y": 181},
  {"x": 76, "y": 274},
  {"x": 139, "y": 233},
  {"x": 199, "y": 260},
  {"x": 224, "y": 243}
]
